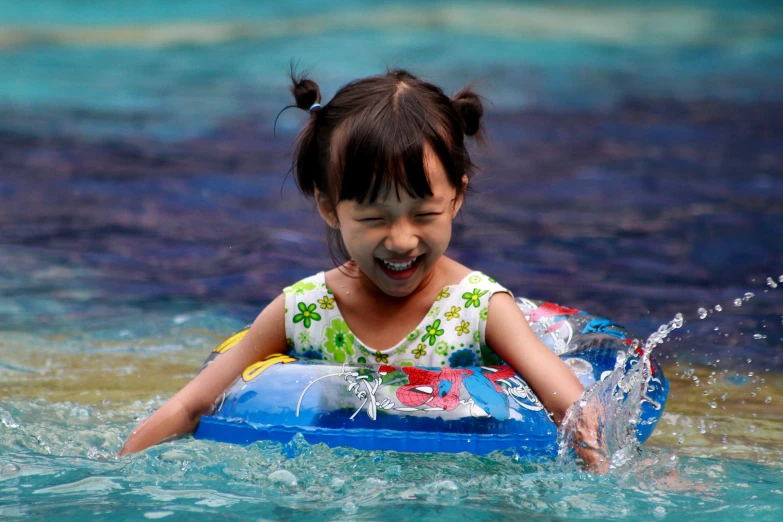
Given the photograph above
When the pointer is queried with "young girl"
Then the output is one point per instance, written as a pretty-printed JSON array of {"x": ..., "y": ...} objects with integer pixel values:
[{"x": 386, "y": 164}]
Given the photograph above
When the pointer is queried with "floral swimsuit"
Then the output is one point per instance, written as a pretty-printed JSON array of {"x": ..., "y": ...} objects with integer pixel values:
[{"x": 451, "y": 334}]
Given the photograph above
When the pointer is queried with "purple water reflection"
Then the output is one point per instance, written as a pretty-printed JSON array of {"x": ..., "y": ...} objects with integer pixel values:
[{"x": 637, "y": 213}]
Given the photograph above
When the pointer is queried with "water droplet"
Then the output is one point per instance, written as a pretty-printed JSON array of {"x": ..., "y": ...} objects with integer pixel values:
[
  {"x": 767, "y": 400},
  {"x": 748, "y": 361},
  {"x": 350, "y": 508},
  {"x": 283, "y": 478},
  {"x": 771, "y": 283},
  {"x": 717, "y": 328},
  {"x": 678, "y": 320},
  {"x": 749, "y": 296},
  {"x": 713, "y": 405},
  {"x": 738, "y": 302},
  {"x": 718, "y": 308},
  {"x": 759, "y": 336},
  {"x": 702, "y": 313},
  {"x": 10, "y": 469},
  {"x": 681, "y": 439},
  {"x": 780, "y": 279}
]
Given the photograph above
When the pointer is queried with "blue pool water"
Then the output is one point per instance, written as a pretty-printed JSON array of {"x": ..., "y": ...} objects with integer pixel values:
[{"x": 635, "y": 170}]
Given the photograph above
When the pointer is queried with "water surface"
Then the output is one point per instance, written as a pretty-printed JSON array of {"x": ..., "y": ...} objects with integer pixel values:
[{"x": 634, "y": 171}]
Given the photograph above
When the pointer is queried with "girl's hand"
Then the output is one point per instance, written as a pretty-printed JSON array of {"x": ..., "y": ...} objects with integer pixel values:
[
  {"x": 585, "y": 427},
  {"x": 181, "y": 414}
]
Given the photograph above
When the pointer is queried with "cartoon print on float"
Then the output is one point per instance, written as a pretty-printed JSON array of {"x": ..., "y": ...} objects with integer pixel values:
[
  {"x": 549, "y": 322},
  {"x": 485, "y": 391}
]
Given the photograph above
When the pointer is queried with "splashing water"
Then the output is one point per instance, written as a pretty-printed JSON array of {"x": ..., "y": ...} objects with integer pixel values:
[{"x": 616, "y": 402}]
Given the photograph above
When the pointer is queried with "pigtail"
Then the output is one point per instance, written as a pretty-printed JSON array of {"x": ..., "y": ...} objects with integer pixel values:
[
  {"x": 470, "y": 109},
  {"x": 306, "y": 159},
  {"x": 306, "y": 92}
]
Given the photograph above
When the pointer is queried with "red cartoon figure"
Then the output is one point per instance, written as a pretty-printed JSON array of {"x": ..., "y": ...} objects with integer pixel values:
[
  {"x": 498, "y": 373},
  {"x": 549, "y": 322},
  {"x": 435, "y": 389}
]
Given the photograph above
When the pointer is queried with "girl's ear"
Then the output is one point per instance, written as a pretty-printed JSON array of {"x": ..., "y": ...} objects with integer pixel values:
[
  {"x": 326, "y": 210},
  {"x": 461, "y": 198}
]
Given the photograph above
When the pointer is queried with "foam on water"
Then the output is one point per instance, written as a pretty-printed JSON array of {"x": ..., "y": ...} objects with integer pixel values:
[{"x": 77, "y": 473}]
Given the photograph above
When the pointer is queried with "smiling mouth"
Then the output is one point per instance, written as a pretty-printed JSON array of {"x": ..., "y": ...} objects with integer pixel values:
[{"x": 399, "y": 267}]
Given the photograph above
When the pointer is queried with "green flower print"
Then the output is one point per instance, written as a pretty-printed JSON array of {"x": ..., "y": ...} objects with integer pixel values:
[
  {"x": 381, "y": 358},
  {"x": 290, "y": 343},
  {"x": 414, "y": 335},
  {"x": 433, "y": 331},
  {"x": 463, "y": 328},
  {"x": 484, "y": 313},
  {"x": 443, "y": 294},
  {"x": 339, "y": 340},
  {"x": 453, "y": 313},
  {"x": 473, "y": 298},
  {"x": 420, "y": 350},
  {"x": 442, "y": 348},
  {"x": 433, "y": 312},
  {"x": 327, "y": 303},
  {"x": 474, "y": 279},
  {"x": 477, "y": 336},
  {"x": 299, "y": 288},
  {"x": 308, "y": 314},
  {"x": 491, "y": 280},
  {"x": 304, "y": 338}
]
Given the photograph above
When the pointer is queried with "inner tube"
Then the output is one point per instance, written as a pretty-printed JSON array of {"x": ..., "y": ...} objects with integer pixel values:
[{"x": 419, "y": 409}]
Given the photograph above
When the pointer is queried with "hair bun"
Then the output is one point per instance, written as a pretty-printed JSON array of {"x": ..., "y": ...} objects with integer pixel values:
[
  {"x": 470, "y": 109},
  {"x": 305, "y": 91}
]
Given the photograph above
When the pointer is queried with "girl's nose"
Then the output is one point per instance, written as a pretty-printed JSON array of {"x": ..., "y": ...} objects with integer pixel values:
[{"x": 402, "y": 237}]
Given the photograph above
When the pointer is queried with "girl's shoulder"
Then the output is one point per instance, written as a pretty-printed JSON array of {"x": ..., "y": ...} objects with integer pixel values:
[
  {"x": 468, "y": 277},
  {"x": 476, "y": 278},
  {"x": 313, "y": 283}
]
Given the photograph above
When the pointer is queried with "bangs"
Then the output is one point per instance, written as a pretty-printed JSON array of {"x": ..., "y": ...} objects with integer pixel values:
[{"x": 370, "y": 158}]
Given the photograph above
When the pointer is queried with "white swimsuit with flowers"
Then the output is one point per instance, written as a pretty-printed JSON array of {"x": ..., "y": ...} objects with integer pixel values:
[{"x": 451, "y": 334}]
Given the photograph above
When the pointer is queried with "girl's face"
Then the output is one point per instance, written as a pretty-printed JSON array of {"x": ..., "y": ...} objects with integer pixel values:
[{"x": 395, "y": 243}]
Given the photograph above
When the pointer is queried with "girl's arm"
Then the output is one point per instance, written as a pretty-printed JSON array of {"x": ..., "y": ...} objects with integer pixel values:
[
  {"x": 181, "y": 414},
  {"x": 510, "y": 336}
]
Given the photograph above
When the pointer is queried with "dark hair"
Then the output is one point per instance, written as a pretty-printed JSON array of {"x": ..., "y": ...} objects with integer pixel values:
[{"x": 371, "y": 136}]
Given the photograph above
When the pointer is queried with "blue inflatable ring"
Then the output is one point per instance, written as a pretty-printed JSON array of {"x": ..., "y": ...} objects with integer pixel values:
[{"x": 420, "y": 409}]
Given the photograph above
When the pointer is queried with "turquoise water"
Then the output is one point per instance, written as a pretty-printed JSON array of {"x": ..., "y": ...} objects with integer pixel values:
[{"x": 635, "y": 171}]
